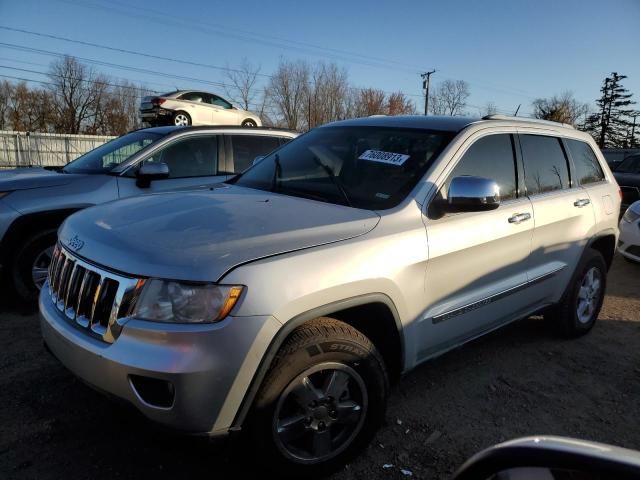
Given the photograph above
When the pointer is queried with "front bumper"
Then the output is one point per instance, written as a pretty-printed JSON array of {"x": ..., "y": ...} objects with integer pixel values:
[
  {"x": 629, "y": 241},
  {"x": 202, "y": 363}
]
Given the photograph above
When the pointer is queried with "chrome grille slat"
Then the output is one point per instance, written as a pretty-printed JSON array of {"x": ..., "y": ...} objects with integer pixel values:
[{"x": 90, "y": 297}]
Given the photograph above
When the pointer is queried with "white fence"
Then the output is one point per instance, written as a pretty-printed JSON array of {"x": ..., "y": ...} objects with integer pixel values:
[{"x": 20, "y": 149}]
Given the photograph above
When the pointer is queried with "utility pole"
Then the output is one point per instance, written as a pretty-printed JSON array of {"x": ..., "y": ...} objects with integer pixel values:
[{"x": 426, "y": 80}]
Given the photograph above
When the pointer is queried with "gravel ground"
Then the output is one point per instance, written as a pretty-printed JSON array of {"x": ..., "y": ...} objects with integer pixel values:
[{"x": 517, "y": 381}]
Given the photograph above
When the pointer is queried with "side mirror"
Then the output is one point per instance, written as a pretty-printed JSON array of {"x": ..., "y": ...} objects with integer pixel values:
[
  {"x": 472, "y": 194},
  {"x": 257, "y": 159},
  {"x": 151, "y": 171},
  {"x": 548, "y": 458}
]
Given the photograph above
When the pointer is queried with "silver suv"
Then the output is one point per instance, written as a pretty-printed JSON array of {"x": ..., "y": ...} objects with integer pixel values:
[
  {"x": 35, "y": 201},
  {"x": 283, "y": 302}
]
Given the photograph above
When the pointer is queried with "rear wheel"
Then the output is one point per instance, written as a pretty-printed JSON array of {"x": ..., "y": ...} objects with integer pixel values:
[
  {"x": 249, "y": 123},
  {"x": 577, "y": 312},
  {"x": 181, "y": 119},
  {"x": 31, "y": 265},
  {"x": 321, "y": 402}
]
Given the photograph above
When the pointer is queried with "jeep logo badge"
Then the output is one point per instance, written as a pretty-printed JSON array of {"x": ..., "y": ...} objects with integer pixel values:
[{"x": 75, "y": 243}]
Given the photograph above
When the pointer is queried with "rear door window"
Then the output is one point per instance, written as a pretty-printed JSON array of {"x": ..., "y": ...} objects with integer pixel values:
[
  {"x": 588, "y": 168},
  {"x": 545, "y": 164},
  {"x": 247, "y": 147}
]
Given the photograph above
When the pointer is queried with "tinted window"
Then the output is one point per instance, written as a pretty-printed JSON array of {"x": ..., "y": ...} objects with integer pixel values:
[
  {"x": 629, "y": 165},
  {"x": 587, "y": 167},
  {"x": 247, "y": 147},
  {"x": 491, "y": 157},
  {"x": 193, "y": 96},
  {"x": 220, "y": 102},
  {"x": 365, "y": 167},
  {"x": 545, "y": 166},
  {"x": 108, "y": 156},
  {"x": 192, "y": 157}
]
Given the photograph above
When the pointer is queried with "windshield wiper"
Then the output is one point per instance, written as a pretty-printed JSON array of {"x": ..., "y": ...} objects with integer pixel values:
[{"x": 335, "y": 180}]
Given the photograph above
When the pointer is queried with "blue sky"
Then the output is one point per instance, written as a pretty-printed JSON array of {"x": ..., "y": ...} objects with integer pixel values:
[{"x": 510, "y": 52}]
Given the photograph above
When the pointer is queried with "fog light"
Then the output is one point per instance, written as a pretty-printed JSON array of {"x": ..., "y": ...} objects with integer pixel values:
[{"x": 152, "y": 391}]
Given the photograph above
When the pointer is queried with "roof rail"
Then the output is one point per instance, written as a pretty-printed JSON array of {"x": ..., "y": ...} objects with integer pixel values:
[{"x": 525, "y": 119}]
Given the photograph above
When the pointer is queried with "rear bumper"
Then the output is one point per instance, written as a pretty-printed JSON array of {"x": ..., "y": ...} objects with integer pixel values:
[
  {"x": 156, "y": 115},
  {"x": 200, "y": 363}
]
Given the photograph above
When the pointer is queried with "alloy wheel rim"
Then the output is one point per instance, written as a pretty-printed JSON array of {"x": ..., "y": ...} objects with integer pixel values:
[
  {"x": 320, "y": 413},
  {"x": 40, "y": 267},
  {"x": 589, "y": 295},
  {"x": 181, "y": 120}
]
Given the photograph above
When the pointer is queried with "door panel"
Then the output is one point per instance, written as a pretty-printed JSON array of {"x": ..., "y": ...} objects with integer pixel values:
[
  {"x": 476, "y": 274},
  {"x": 563, "y": 215}
]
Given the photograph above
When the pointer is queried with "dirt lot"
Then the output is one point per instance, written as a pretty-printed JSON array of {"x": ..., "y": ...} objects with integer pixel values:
[{"x": 518, "y": 381}]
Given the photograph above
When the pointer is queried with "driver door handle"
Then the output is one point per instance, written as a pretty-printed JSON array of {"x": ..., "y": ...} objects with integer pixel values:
[
  {"x": 519, "y": 217},
  {"x": 581, "y": 202}
]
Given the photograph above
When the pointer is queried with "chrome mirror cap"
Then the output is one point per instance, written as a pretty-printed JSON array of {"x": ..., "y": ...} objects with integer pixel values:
[{"x": 473, "y": 194}]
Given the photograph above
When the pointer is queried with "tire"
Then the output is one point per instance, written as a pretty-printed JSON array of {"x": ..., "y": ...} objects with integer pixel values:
[
  {"x": 181, "y": 119},
  {"x": 33, "y": 253},
  {"x": 249, "y": 123},
  {"x": 321, "y": 438},
  {"x": 577, "y": 312}
]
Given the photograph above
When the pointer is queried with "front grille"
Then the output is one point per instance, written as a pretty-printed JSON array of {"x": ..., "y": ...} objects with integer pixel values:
[{"x": 90, "y": 297}]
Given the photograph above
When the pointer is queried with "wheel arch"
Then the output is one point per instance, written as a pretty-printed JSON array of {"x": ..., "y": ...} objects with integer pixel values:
[
  {"x": 605, "y": 243},
  {"x": 31, "y": 223},
  {"x": 348, "y": 311}
]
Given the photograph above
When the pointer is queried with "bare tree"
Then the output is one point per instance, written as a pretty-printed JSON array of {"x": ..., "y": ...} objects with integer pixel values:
[
  {"x": 288, "y": 92},
  {"x": 326, "y": 94},
  {"x": 449, "y": 98},
  {"x": 399, "y": 104},
  {"x": 29, "y": 110},
  {"x": 6, "y": 93},
  {"x": 562, "y": 108},
  {"x": 242, "y": 86},
  {"x": 368, "y": 101},
  {"x": 488, "y": 109},
  {"x": 77, "y": 92}
]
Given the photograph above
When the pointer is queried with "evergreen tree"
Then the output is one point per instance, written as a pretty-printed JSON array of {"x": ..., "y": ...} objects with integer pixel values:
[{"x": 610, "y": 125}]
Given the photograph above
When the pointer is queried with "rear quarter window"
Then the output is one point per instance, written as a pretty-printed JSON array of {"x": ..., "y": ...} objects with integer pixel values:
[{"x": 586, "y": 163}]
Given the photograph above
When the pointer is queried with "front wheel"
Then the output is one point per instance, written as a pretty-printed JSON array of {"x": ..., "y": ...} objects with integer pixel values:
[
  {"x": 31, "y": 265},
  {"x": 249, "y": 123},
  {"x": 577, "y": 312},
  {"x": 321, "y": 402}
]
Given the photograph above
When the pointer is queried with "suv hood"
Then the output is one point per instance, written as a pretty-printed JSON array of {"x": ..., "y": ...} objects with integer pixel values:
[
  {"x": 201, "y": 235},
  {"x": 26, "y": 178}
]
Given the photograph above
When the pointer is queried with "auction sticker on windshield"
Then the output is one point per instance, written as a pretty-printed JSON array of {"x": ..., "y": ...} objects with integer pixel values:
[{"x": 384, "y": 157}]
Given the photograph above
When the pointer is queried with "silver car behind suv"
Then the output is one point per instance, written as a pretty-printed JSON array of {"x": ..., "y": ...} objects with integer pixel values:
[
  {"x": 283, "y": 302},
  {"x": 35, "y": 201}
]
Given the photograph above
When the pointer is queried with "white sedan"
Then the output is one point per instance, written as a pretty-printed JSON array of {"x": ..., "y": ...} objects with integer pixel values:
[
  {"x": 629, "y": 244},
  {"x": 190, "y": 107}
]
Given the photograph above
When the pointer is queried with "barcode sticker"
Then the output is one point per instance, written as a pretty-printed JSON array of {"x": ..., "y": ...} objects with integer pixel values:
[{"x": 384, "y": 157}]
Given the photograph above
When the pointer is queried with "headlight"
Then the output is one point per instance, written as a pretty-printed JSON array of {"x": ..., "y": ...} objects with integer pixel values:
[
  {"x": 177, "y": 302},
  {"x": 630, "y": 216}
]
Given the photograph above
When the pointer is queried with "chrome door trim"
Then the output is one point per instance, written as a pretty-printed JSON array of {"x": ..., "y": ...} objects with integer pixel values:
[{"x": 492, "y": 298}]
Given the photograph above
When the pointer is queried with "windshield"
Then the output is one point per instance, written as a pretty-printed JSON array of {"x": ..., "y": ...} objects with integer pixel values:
[
  {"x": 108, "y": 156},
  {"x": 364, "y": 167},
  {"x": 629, "y": 165}
]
